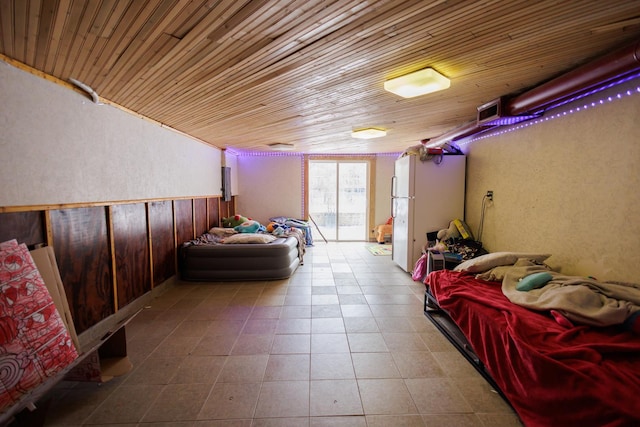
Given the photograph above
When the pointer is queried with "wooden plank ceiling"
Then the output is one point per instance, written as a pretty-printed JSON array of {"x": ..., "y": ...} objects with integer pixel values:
[{"x": 245, "y": 74}]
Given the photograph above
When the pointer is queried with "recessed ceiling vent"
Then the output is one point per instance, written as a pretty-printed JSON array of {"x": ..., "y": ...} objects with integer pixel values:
[{"x": 493, "y": 114}]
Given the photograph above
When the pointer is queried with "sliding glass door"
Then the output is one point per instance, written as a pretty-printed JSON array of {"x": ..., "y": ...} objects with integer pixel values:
[{"x": 338, "y": 199}]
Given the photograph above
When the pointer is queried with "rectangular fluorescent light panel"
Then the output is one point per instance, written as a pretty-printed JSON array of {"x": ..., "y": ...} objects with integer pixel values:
[
  {"x": 368, "y": 133},
  {"x": 417, "y": 83}
]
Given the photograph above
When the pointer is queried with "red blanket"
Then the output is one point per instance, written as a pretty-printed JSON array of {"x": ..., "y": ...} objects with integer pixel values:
[{"x": 552, "y": 376}]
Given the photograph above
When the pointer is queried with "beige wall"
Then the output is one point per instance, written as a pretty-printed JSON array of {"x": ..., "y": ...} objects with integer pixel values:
[
  {"x": 384, "y": 171},
  {"x": 57, "y": 146},
  {"x": 568, "y": 186},
  {"x": 269, "y": 186}
]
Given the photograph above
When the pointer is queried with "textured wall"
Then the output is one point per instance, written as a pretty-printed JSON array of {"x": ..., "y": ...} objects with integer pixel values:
[
  {"x": 567, "y": 186},
  {"x": 269, "y": 186},
  {"x": 56, "y": 146}
]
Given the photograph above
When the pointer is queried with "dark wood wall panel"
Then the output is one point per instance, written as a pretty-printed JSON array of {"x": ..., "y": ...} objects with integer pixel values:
[
  {"x": 200, "y": 206},
  {"x": 214, "y": 212},
  {"x": 227, "y": 208},
  {"x": 98, "y": 280},
  {"x": 25, "y": 227},
  {"x": 81, "y": 245},
  {"x": 184, "y": 221},
  {"x": 131, "y": 243},
  {"x": 163, "y": 246}
]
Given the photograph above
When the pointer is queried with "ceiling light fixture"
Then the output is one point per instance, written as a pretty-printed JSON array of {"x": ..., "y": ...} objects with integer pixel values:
[
  {"x": 417, "y": 83},
  {"x": 368, "y": 133},
  {"x": 280, "y": 146}
]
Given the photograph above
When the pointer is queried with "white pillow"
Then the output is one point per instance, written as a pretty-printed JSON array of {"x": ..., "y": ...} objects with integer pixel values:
[
  {"x": 222, "y": 231},
  {"x": 496, "y": 259},
  {"x": 250, "y": 238}
]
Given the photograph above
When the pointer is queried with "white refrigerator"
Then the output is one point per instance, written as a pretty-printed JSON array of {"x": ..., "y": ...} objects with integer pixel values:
[{"x": 425, "y": 197}]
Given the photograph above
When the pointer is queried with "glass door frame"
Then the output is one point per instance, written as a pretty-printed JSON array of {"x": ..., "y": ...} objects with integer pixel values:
[{"x": 371, "y": 168}]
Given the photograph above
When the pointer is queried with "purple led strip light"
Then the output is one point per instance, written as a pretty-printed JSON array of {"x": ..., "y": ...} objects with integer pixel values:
[{"x": 586, "y": 106}]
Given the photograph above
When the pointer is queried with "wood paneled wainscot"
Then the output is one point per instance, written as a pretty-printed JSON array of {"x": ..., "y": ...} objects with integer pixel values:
[{"x": 112, "y": 254}]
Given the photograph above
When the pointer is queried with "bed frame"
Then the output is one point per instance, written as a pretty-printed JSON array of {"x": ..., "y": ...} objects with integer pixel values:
[{"x": 450, "y": 330}]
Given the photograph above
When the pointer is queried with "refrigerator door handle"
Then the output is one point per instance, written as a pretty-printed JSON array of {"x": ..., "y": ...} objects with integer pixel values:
[{"x": 394, "y": 180}]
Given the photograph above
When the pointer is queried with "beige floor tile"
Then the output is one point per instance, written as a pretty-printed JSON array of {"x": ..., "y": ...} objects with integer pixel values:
[
  {"x": 281, "y": 422},
  {"x": 457, "y": 420},
  {"x": 394, "y": 324},
  {"x": 436, "y": 342},
  {"x": 331, "y": 310},
  {"x": 215, "y": 345},
  {"x": 352, "y": 421},
  {"x": 198, "y": 369},
  {"x": 297, "y": 300},
  {"x": 244, "y": 369},
  {"x": 178, "y": 402},
  {"x": 385, "y": 396},
  {"x": 360, "y": 324},
  {"x": 293, "y": 326},
  {"x": 352, "y": 299},
  {"x": 404, "y": 341},
  {"x": 191, "y": 328},
  {"x": 154, "y": 370},
  {"x": 324, "y": 299},
  {"x": 367, "y": 343},
  {"x": 225, "y": 327},
  {"x": 327, "y": 325},
  {"x": 252, "y": 344},
  {"x": 417, "y": 365},
  {"x": 238, "y": 311},
  {"x": 291, "y": 343},
  {"x": 352, "y": 289},
  {"x": 266, "y": 312},
  {"x": 374, "y": 365},
  {"x": 127, "y": 405},
  {"x": 230, "y": 401},
  {"x": 292, "y": 367},
  {"x": 399, "y": 421},
  {"x": 335, "y": 397},
  {"x": 260, "y": 326},
  {"x": 299, "y": 290},
  {"x": 480, "y": 395},
  {"x": 176, "y": 346},
  {"x": 499, "y": 420},
  {"x": 296, "y": 312},
  {"x": 329, "y": 343},
  {"x": 331, "y": 366},
  {"x": 283, "y": 399},
  {"x": 323, "y": 290},
  {"x": 437, "y": 396},
  {"x": 356, "y": 310},
  {"x": 454, "y": 365}
]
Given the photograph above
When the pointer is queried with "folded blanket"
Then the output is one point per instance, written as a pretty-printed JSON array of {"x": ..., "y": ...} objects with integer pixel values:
[{"x": 580, "y": 299}]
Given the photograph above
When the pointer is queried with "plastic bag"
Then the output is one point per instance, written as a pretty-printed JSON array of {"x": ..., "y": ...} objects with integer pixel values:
[{"x": 420, "y": 269}]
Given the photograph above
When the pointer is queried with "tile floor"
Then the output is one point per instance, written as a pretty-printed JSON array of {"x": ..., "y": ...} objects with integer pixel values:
[{"x": 343, "y": 342}]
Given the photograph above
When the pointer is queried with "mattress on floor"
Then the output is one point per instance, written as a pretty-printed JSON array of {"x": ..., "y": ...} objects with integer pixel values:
[{"x": 245, "y": 261}]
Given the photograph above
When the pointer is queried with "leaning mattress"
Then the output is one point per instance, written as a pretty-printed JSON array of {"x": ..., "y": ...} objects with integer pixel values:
[{"x": 243, "y": 261}]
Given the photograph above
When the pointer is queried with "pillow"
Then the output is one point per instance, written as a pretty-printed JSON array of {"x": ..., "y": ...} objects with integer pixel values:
[
  {"x": 222, "y": 231},
  {"x": 496, "y": 259},
  {"x": 533, "y": 281},
  {"x": 496, "y": 274},
  {"x": 250, "y": 238}
]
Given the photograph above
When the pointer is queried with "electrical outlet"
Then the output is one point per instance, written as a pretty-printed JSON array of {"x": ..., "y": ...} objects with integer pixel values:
[{"x": 489, "y": 195}]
